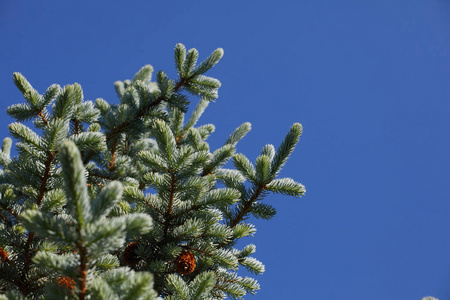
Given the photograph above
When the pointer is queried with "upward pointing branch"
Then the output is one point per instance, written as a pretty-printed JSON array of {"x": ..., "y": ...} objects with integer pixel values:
[
  {"x": 117, "y": 130},
  {"x": 247, "y": 207},
  {"x": 30, "y": 238}
]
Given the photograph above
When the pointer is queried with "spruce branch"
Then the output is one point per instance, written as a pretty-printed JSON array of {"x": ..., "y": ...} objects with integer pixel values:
[
  {"x": 82, "y": 282},
  {"x": 246, "y": 208},
  {"x": 6, "y": 146},
  {"x": 143, "y": 143},
  {"x": 168, "y": 214},
  {"x": 43, "y": 118},
  {"x": 45, "y": 177},
  {"x": 286, "y": 148},
  {"x": 143, "y": 111},
  {"x": 76, "y": 126},
  {"x": 30, "y": 237},
  {"x": 112, "y": 162},
  {"x": 5, "y": 207},
  {"x": 5, "y": 220},
  {"x": 116, "y": 131},
  {"x": 27, "y": 260}
]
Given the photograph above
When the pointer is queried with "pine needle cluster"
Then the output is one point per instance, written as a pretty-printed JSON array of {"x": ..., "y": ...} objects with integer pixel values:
[{"x": 128, "y": 201}]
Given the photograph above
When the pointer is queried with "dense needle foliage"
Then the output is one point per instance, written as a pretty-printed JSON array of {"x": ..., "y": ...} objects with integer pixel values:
[{"x": 128, "y": 201}]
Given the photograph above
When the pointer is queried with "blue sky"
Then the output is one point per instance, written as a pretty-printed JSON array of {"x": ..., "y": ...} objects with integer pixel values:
[{"x": 369, "y": 81}]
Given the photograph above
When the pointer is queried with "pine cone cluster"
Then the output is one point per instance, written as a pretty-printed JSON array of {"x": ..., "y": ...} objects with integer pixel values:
[
  {"x": 66, "y": 282},
  {"x": 185, "y": 262},
  {"x": 129, "y": 254},
  {"x": 4, "y": 255}
]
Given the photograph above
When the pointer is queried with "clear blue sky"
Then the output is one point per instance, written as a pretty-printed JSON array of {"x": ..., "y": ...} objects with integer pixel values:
[{"x": 369, "y": 81}]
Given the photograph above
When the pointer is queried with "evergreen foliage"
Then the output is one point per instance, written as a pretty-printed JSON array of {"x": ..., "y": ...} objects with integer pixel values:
[{"x": 128, "y": 201}]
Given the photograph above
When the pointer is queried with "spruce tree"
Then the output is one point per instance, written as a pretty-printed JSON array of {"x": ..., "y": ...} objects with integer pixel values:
[{"x": 128, "y": 201}]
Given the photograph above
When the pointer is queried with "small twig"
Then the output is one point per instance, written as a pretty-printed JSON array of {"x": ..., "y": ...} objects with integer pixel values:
[
  {"x": 154, "y": 207},
  {"x": 206, "y": 171},
  {"x": 113, "y": 155},
  {"x": 4, "y": 219},
  {"x": 171, "y": 198},
  {"x": 247, "y": 206},
  {"x": 3, "y": 205},
  {"x": 44, "y": 119},
  {"x": 45, "y": 178},
  {"x": 76, "y": 126}
]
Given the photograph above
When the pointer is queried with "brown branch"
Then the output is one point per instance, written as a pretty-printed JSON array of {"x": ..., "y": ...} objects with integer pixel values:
[
  {"x": 4, "y": 219},
  {"x": 44, "y": 119},
  {"x": 154, "y": 207},
  {"x": 178, "y": 139},
  {"x": 172, "y": 194},
  {"x": 113, "y": 155},
  {"x": 141, "y": 186},
  {"x": 194, "y": 207},
  {"x": 23, "y": 279},
  {"x": 83, "y": 271},
  {"x": 127, "y": 145},
  {"x": 46, "y": 176},
  {"x": 3, "y": 205},
  {"x": 27, "y": 253},
  {"x": 21, "y": 193},
  {"x": 247, "y": 206},
  {"x": 169, "y": 209},
  {"x": 206, "y": 171},
  {"x": 76, "y": 126}
]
